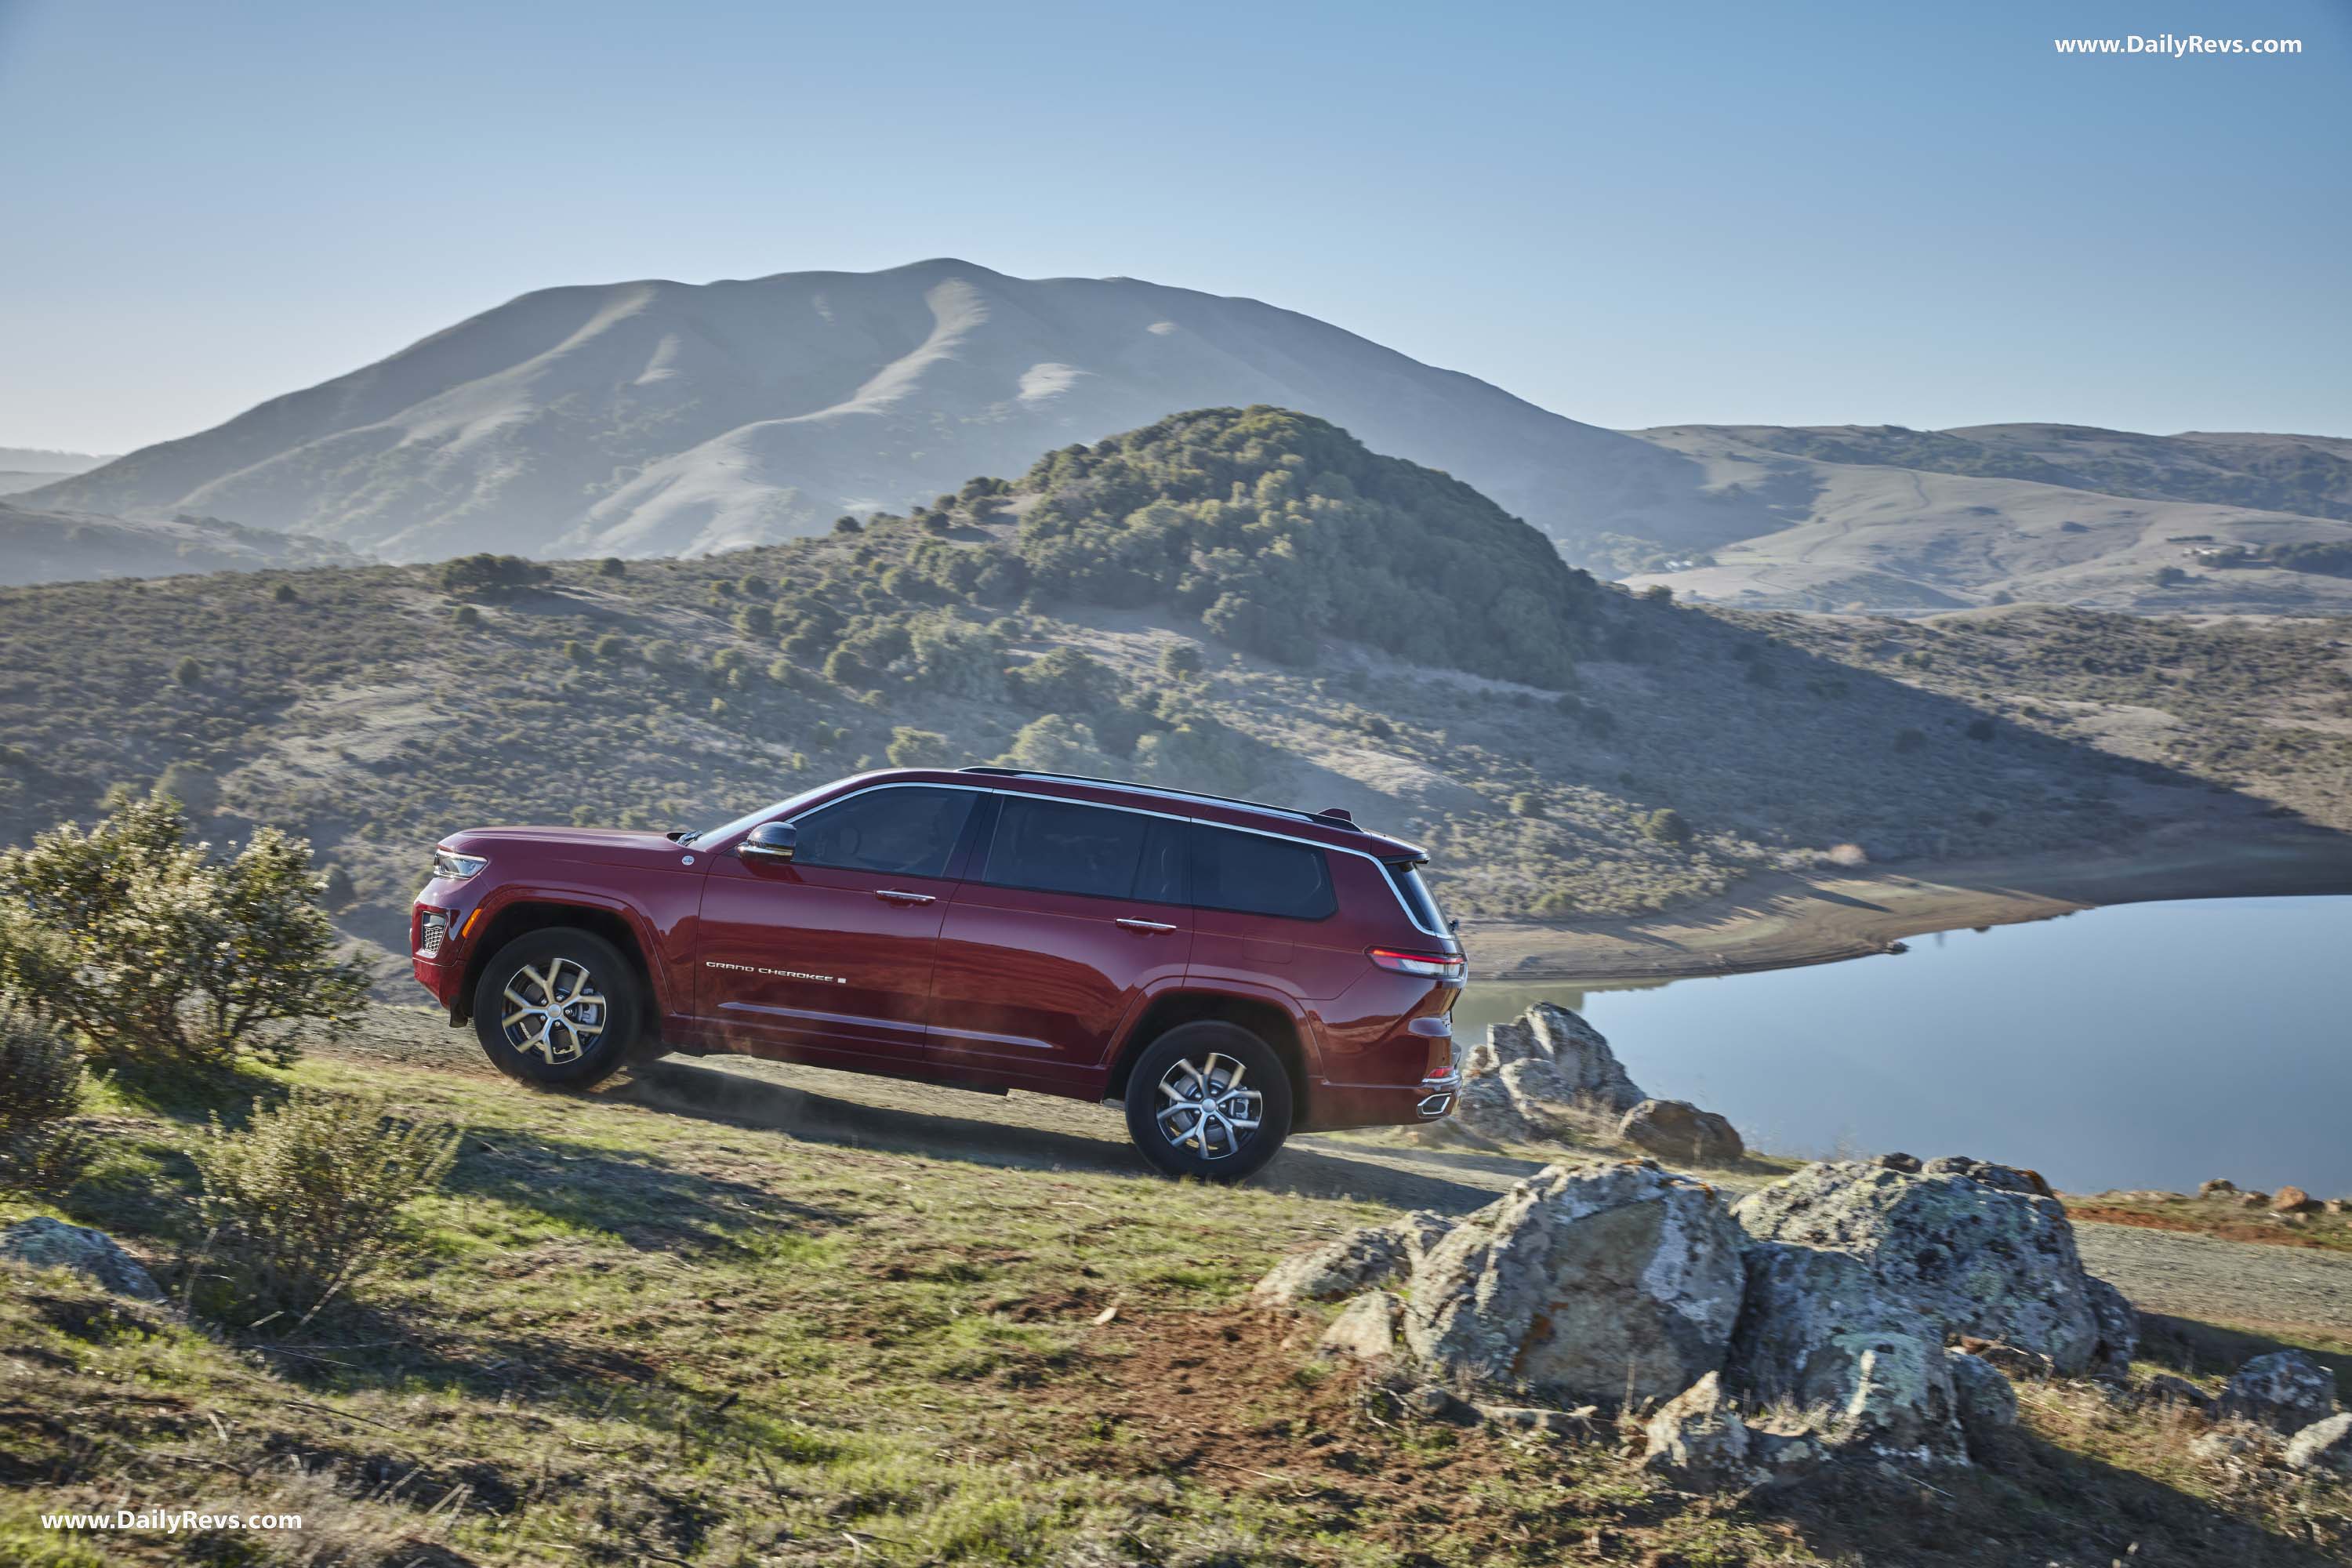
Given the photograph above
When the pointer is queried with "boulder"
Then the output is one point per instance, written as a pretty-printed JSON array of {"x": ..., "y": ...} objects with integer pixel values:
[
  {"x": 1587, "y": 1284},
  {"x": 1698, "y": 1437},
  {"x": 2324, "y": 1446},
  {"x": 2009, "y": 1178},
  {"x": 2219, "y": 1187},
  {"x": 1535, "y": 1074},
  {"x": 2119, "y": 1325},
  {"x": 1908, "y": 1164},
  {"x": 1985, "y": 1402},
  {"x": 2286, "y": 1391},
  {"x": 1961, "y": 1248},
  {"x": 2252, "y": 1200},
  {"x": 1433, "y": 1401},
  {"x": 1365, "y": 1329},
  {"x": 1886, "y": 1396},
  {"x": 1376, "y": 1255},
  {"x": 2337, "y": 1205},
  {"x": 2292, "y": 1200},
  {"x": 1677, "y": 1129},
  {"x": 45, "y": 1243}
]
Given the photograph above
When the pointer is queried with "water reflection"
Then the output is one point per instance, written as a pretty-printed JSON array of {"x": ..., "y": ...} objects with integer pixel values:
[{"x": 2143, "y": 1045}]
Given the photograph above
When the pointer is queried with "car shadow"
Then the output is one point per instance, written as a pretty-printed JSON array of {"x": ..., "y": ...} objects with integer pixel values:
[{"x": 684, "y": 1089}]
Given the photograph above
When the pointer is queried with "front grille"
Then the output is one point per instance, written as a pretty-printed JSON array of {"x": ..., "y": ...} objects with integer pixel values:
[{"x": 431, "y": 930}]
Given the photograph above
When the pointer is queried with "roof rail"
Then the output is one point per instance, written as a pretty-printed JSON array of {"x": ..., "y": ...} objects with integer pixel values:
[{"x": 1334, "y": 818}]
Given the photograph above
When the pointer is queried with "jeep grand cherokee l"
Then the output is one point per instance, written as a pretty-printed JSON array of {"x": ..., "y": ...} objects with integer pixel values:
[{"x": 1229, "y": 971}]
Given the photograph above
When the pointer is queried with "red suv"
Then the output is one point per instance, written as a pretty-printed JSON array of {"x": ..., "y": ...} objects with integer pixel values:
[{"x": 1228, "y": 971}]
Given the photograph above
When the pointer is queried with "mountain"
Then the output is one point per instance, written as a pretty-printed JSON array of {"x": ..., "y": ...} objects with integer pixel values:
[
  {"x": 657, "y": 418},
  {"x": 1888, "y": 520},
  {"x": 1242, "y": 601},
  {"x": 29, "y": 467},
  {"x": 56, "y": 547}
]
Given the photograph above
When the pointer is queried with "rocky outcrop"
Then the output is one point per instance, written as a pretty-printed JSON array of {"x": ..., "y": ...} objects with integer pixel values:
[
  {"x": 1677, "y": 1129},
  {"x": 2324, "y": 1446},
  {"x": 1376, "y": 1255},
  {"x": 1959, "y": 1248},
  {"x": 1585, "y": 1284},
  {"x": 44, "y": 1243},
  {"x": 1365, "y": 1329},
  {"x": 2286, "y": 1391},
  {"x": 1540, "y": 1074}
]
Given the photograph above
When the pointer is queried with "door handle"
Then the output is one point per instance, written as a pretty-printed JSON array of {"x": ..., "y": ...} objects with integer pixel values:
[
  {"x": 1153, "y": 926},
  {"x": 897, "y": 895}
]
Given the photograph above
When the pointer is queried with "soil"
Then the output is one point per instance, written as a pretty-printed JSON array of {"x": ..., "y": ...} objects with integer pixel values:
[{"x": 1780, "y": 921}]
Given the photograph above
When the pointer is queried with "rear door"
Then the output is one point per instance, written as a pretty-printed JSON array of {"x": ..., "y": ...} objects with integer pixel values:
[
  {"x": 830, "y": 955},
  {"x": 1071, "y": 913}
]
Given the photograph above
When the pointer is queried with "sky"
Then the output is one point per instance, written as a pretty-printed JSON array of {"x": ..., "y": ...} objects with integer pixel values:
[{"x": 1631, "y": 214}]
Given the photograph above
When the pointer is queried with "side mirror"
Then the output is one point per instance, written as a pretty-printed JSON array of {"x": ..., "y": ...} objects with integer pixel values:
[{"x": 769, "y": 844}]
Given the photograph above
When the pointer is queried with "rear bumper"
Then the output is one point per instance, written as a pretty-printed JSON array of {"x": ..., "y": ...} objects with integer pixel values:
[{"x": 1334, "y": 1106}]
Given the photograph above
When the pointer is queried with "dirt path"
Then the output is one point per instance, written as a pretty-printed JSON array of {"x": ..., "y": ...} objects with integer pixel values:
[
  {"x": 2197, "y": 1277},
  {"x": 1778, "y": 920}
]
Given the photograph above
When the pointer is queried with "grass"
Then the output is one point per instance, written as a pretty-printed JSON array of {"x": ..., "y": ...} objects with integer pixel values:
[{"x": 636, "y": 1337}]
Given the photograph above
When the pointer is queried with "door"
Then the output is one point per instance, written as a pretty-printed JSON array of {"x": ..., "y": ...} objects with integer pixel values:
[
  {"x": 829, "y": 955},
  {"x": 1263, "y": 910},
  {"x": 1070, "y": 915}
]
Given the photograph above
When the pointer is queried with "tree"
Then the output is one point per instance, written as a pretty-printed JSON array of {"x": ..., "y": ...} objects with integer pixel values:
[
  {"x": 1180, "y": 661},
  {"x": 284, "y": 593},
  {"x": 188, "y": 672},
  {"x": 848, "y": 525},
  {"x": 488, "y": 576},
  {"x": 1065, "y": 681},
  {"x": 612, "y": 566}
]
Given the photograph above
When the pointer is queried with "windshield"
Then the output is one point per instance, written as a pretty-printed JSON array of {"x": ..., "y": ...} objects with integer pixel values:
[{"x": 745, "y": 823}]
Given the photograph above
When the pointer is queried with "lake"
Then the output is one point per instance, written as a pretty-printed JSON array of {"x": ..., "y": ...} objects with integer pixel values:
[{"x": 2140, "y": 1045}]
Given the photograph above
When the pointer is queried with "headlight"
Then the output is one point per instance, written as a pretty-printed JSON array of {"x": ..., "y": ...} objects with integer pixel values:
[{"x": 450, "y": 866}]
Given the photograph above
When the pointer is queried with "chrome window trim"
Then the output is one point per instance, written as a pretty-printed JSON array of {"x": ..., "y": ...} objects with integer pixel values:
[{"x": 1377, "y": 864}]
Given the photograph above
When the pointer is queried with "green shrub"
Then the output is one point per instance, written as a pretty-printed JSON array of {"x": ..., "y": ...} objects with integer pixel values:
[
  {"x": 848, "y": 525},
  {"x": 308, "y": 1199},
  {"x": 284, "y": 593},
  {"x": 1065, "y": 681},
  {"x": 155, "y": 952},
  {"x": 466, "y": 616},
  {"x": 1666, "y": 826},
  {"x": 188, "y": 672},
  {"x": 612, "y": 566},
  {"x": 1181, "y": 662},
  {"x": 912, "y": 747},
  {"x": 40, "y": 1085},
  {"x": 488, "y": 576}
]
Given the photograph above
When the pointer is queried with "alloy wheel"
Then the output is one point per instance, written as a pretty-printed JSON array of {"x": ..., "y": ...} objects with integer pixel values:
[
  {"x": 554, "y": 1013},
  {"x": 1205, "y": 1107}
]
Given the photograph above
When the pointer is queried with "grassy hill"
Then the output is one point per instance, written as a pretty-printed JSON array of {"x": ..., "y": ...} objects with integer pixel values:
[
  {"x": 62, "y": 547},
  {"x": 1240, "y": 601}
]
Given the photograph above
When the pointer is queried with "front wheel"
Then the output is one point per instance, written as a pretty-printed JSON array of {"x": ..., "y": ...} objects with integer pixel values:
[
  {"x": 560, "y": 1008},
  {"x": 1208, "y": 1100}
]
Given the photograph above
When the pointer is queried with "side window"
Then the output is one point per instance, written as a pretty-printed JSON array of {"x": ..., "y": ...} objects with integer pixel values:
[
  {"x": 903, "y": 832},
  {"x": 1259, "y": 876},
  {"x": 1057, "y": 846}
]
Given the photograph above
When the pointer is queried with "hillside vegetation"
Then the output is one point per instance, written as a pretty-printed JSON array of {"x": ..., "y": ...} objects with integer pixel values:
[
  {"x": 1244, "y": 601},
  {"x": 64, "y": 547}
]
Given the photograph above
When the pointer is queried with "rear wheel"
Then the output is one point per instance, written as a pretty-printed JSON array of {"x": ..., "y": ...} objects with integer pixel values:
[
  {"x": 1208, "y": 1100},
  {"x": 559, "y": 1008}
]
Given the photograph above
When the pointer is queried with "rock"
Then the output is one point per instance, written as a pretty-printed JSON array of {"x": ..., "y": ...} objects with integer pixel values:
[
  {"x": 2337, "y": 1205},
  {"x": 2216, "y": 1447},
  {"x": 1677, "y": 1129},
  {"x": 44, "y": 1243},
  {"x": 1886, "y": 1396},
  {"x": 1432, "y": 1402},
  {"x": 2219, "y": 1187},
  {"x": 1698, "y": 1437},
  {"x": 2009, "y": 1178},
  {"x": 2284, "y": 1391},
  {"x": 1551, "y": 1423},
  {"x": 2323, "y": 1445},
  {"x": 1365, "y": 1329},
  {"x": 2119, "y": 1325},
  {"x": 1535, "y": 1075},
  {"x": 1985, "y": 1402},
  {"x": 1590, "y": 1285},
  {"x": 2292, "y": 1200},
  {"x": 2166, "y": 1389},
  {"x": 1376, "y": 1255},
  {"x": 2252, "y": 1200},
  {"x": 1906, "y": 1163},
  {"x": 1944, "y": 1253}
]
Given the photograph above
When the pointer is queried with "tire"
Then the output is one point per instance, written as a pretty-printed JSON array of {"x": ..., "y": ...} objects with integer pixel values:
[
  {"x": 1215, "y": 1152},
  {"x": 566, "y": 1052}
]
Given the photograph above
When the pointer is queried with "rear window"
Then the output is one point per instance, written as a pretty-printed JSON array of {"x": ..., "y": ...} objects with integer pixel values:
[
  {"x": 1258, "y": 875},
  {"x": 1418, "y": 903},
  {"x": 1055, "y": 847}
]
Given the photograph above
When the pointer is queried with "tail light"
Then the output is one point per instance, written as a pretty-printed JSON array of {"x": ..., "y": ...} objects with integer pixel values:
[
  {"x": 1434, "y": 965},
  {"x": 1440, "y": 1066}
]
